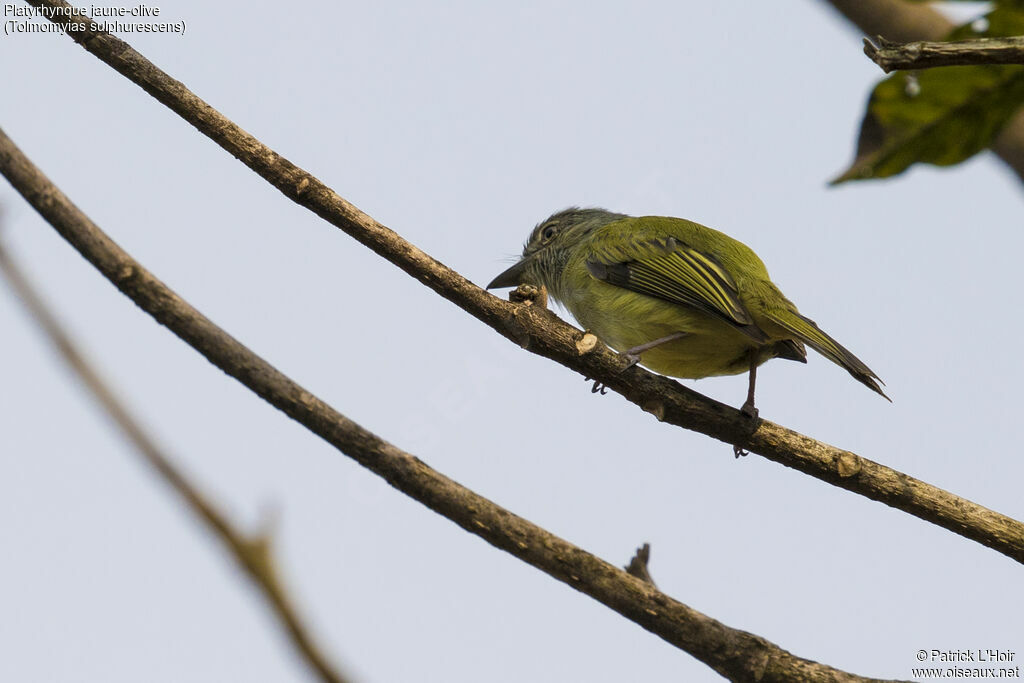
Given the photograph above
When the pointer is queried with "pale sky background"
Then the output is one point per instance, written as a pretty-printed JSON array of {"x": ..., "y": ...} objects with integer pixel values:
[{"x": 461, "y": 125}]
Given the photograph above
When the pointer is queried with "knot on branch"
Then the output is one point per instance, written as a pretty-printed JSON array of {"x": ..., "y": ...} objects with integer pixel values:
[
  {"x": 586, "y": 343},
  {"x": 848, "y": 465},
  {"x": 656, "y": 408}
]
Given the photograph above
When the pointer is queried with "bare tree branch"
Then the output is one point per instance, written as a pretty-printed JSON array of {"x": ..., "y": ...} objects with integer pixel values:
[
  {"x": 541, "y": 332},
  {"x": 737, "y": 655},
  {"x": 253, "y": 554},
  {"x": 893, "y": 56},
  {"x": 905, "y": 22}
]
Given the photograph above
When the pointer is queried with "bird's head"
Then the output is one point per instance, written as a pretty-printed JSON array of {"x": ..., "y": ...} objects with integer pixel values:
[{"x": 550, "y": 245}]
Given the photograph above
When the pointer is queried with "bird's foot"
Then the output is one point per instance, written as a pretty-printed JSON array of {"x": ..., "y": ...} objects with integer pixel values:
[
  {"x": 602, "y": 388},
  {"x": 749, "y": 410},
  {"x": 530, "y": 295}
]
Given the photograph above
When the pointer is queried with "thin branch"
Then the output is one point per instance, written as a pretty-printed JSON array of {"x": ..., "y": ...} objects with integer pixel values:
[
  {"x": 252, "y": 554},
  {"x": 908, "y": 21},
  {"x": 541, "y": 332},
  {"x": 736, "y": 654},
  {"x": 893, "y": 56}
]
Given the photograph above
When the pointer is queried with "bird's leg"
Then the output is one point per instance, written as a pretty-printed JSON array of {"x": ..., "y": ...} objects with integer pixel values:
[
  {"x": 748, "y": 408},
  {"x": 633, "y": 354},
  {"x": 748, "y": 405}
]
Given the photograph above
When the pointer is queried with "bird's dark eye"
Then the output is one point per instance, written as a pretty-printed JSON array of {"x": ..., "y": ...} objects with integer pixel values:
[{"x": 549, "y": 232}]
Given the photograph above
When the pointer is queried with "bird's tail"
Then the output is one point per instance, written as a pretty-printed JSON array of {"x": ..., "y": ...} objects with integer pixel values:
[{"x": 808, "y": 331}]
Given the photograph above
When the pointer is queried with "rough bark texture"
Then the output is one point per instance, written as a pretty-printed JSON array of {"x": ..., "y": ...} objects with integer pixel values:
[
  {"x": 541, "y": 332},
  {"x": 892, "y": 56}
]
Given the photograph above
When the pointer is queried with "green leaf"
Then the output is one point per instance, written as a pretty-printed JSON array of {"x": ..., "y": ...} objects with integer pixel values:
[
  {"x": 942, "y": 116},
  {"x": 939, "y": 116}
]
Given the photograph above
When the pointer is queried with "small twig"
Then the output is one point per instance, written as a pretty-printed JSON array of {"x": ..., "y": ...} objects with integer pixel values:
[
  {"x": 638, "y": 564},
  {"x": 252, "y": 553},
  {"x": 892, "y": 56}
]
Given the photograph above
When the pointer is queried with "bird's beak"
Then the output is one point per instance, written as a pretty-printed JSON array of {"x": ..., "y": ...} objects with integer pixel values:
[{"x": 513, "y": 277}]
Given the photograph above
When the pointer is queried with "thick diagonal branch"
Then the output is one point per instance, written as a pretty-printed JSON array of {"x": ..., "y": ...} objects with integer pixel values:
[
  {"x": 735, "y": 654},
  {"x": 252, "y": 553},
  {"x": 545, "y": 335}
]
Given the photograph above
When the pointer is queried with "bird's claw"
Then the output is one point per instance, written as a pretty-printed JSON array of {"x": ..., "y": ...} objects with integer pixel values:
[
  {"x": 750, "y": 411},
  {"x": 530, "y": 295},
  {"x": 601, "y": 387}
]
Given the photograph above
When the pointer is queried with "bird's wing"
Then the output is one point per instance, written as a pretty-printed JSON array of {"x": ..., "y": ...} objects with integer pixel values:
[{"x": 670, "y": 270}]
